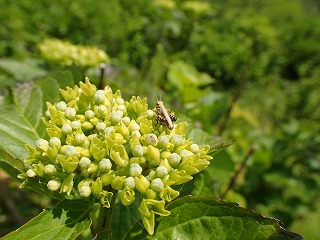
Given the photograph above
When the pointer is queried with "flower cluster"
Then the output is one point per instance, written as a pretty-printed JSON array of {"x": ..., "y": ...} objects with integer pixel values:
[
  {"x": 66, "y": 54},
  {"x": 101, "y": 144}
]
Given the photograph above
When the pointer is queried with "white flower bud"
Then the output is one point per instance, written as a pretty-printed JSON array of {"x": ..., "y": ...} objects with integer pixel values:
[
  {"x": 150, "y": 113},
  {"x": 120, "y": 101},
  {"x": 89, "y": 114},
  {"x": 156, "y": 184},
  {"x": 105, "y": 165},
  {"x": 133, "y": 125},
  {"x": 136, "y": 132},
  {"x": 194, "y": 148},
  {"x": 79, "y": 138},
  {"x": 69, "y": 150},
  {"x": 135, "y": 170},
  {"x": 99, "y": 96},
  {"x": 101, "y": 126},
  {"x": 108, "y": 130},
  {"x": 61, "y": 106},
  {"x": 53, "y": 185},
  {"x": 138, "y": 151},
  {"x": 122, "y": 108},
  {"x": 185, "y": 153},
  {"x": 41, "y": 143},
  {"x": 163, "y": 141},
  {"x": 116, "y": 116},
  {"x": 84, "y": 162},
  {"x": 174, "y": 159},
  {"x": 55, "y": 142},
  {"x": 70, "y": 113},
  {"x": 76, "y": 125},
  {"x": 85, "y": 191},
  {"x": 151, "y": 139},
  {"x": 66, "y": 129},
  {"x": 162, "y": 171},
  {"x": 102, "y": 109},
  {"x": 129, "y": 181},
  {"x": 31, "y": 174},
  {"x": 176, "y": 139},
  {"x": 49, "y": 169},
  {"x": 48, "y": 113},
  {"x": 126, "y": 120}
]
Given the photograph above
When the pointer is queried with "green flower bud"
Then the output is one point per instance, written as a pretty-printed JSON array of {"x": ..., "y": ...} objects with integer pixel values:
[
  {"x": 119, "y": 155},
  {"x": 42, "y": 144},
  {"x": 55, "y": 142},
  {"x": 87, "y": 88},
  {"x": 93, "y": 167},
  {"x": 107, "y": 178},
  {"x": 70, "y": 113},
  {"x": 135, "y": 170},
  {"x": 66, "y": 129},
  {"x": 120, "y": 101},
  {"x": 133, "y": 125},
  {"x": 157, "y": 184},
  {"x": 85, "y": 191},
  {"x": 69, "y": 164},
  {"x": 61, "y": 106},
  {"x": 50, "y": 169},
  {"x": 126, "y": 196},
  {"x": 174, "y": 159},
  {"x": 145, "y": 126},
  {"x": 151, "y": 194},
  {"x": 67, "y": 185},
  {"x": 138, "y": 151},
  {"x": 96, "y": 187},
  {"x": 168, "y": 194},
  {"x": 161, "y": 171},
  {"x": 147, "y": 210},
  {"x": 176, "y": 139},
  {"x": 163, "y": 141},
  {"x": 123, "y": 130},
  {"x": 117, "y": 182},
  {"x": 38, "y": 168},
  {"x": 108, "y": 131},
  {"x": 153, "y": 155},
  {"x": 185, "y": 153},
  {"x": 151, "y": 139},
  {"x": 30, "y": 173},
  {"x": 87, "y": 126},
  {"x": 105, "y": 198},
  {"x": 180, "y": 176},
  {"x": 89, "y": 114},
  {"x": 84, "y": 162},
  {"x": 53, "y": 185},
  {"x": 105, "y": 165},
  {"x": 165, "y": 154},
  {"x": 142, "y": 184}
]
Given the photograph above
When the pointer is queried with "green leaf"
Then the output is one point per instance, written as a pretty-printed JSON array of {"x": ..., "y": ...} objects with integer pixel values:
[
  {"x": 208, "y": 218},
  {"x": 11, "y": 166},
  {"x": 66, "y": 221}
]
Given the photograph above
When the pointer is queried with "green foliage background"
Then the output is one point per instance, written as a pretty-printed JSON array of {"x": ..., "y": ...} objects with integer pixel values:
[{"x": 262, "y": 57}]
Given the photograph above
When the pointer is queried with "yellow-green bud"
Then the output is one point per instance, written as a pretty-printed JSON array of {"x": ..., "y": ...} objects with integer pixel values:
[
  {"x": 101, "y": 126},
  {"x": 194, "y": 148},
  {"x": 174, "y": 159},
  {"x": 55, "y": 142},
  {"x": 70, "y": 113},
  {"x": 67, "y": 185},
  {"x": 42, "y": 144},
  {"x": 142, "y": 184},
  {"x": 66, "y": 129},
  {"x": 126, "y": 196},
  {"x": 138, "y": 151},
  {"x": 93, "y": 167},
  {"x": 126, "y": 120},
  {"x": 161, "y": 171},
  {"x": 151, "y": 194},
  {"x": 76, "y": 125},
  {"x": 176, "y": 139},
  {"x": 89, "y": 114},
  {"x": 117, "y": 182},
  {"x": 107, "y": 178},
  {"x": 153, "y": 154},
  {"x": 96, "y": 187}
]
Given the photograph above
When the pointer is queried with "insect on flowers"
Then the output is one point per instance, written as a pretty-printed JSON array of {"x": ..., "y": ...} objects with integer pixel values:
[{"x": 164, "y": 115}]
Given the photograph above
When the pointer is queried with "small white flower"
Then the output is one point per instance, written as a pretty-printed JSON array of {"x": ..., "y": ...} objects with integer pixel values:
[
  {"x": 150, "y": 113},
  {"x": 48, "y": 113},
  {"x": 176, "y": 139},
  {"x": 163, "y": 141},
  {"x": 185, "y": 153},
  {"x": 120, "y": 101},
  {"x": 41, "y": 143},
  {"x": 116, "y": 116},
  {"x": 101, "y": 126},
  {"x": 79, "y": 138},
  {"x": 102, "y": 109},
  {"x": 69, "y": 150},
  {"x": 76, "y": 125},
  {"x": 31, "y": 174},
  {"x": 194, "y": 148},
  {"x": 133, "y": 125},
  {"x": 138, "y": 151},
  {"x": 126, "y": 120},
  {"x": 151, "y": 139},
  {"x": 108, "y": 130},
  {"x": 99, "y": 96}
]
